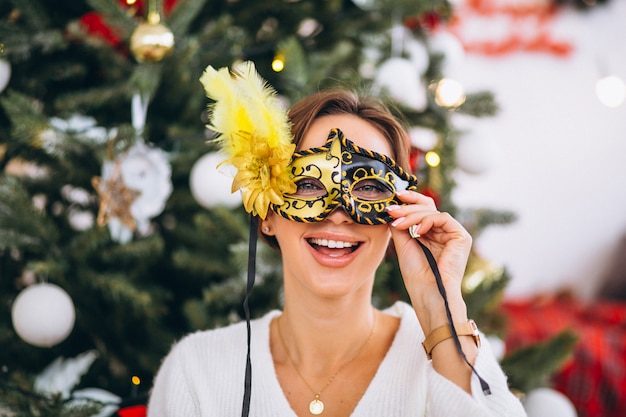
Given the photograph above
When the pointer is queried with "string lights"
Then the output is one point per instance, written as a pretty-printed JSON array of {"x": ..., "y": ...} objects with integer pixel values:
[
  {"x": 449, "y": 93},
  {"x": 278, "y": 63}
]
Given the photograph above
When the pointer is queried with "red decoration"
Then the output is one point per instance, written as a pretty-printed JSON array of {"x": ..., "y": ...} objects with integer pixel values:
[
  {"x": 96, "y": 25},
  {"x": 429, "y": 21},
  {"x": 133, "y": 411},
  {"x": 429, "y": 192},
  {"x": 517, "y": 18},
  {"x": 595, "y": 378},
  {"x": 414, "y": 158},
  {"x": 489, "y": 7}
]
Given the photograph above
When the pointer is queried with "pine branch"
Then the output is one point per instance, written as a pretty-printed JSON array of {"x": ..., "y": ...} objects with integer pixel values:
[
  {"x": 192, "y": 265},
  {"x": 183, "y": 14},
  {"x": 33, "y": 14},
  {"x": 532, "y": 366},
  {"x": 483, "y": 299},
  {"x": 480, "y": 104},
  {"x": 21, "y": 224},
  {"x": 20, "y": 44},
  {"x": 146, "y": 79},
  {"x": 477, "y": 220},
  {"x": 25, "y": 115},
  {"x": 18, "y": 401},
  {"x": 87, "y": 245},
  {"x": 296, "y": 73},
  {"x": 147, "y": 249},
  {"x": 115, "y": 16},
  {"x": 117, "y": 289},
  {"x": 92, "y": 98}
]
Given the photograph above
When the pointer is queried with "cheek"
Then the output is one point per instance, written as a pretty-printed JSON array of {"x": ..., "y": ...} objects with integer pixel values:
[
  {"x": 382, "y": 232},
  {"x": 283, "y": 230},
  {"x": 381, "y": 240}
]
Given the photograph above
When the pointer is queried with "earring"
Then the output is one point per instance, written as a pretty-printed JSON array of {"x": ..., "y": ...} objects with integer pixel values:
[{"x": 266, "y": 229}]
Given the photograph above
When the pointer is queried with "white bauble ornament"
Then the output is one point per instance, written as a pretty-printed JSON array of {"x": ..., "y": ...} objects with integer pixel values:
[
  {"x": 399, "y": 78},
  {"x": 475, "y": 154},
  {"x": 366, "y": 4},
  {"x": 547, "y": 402},
  {"x": 5, "y": 74},
  {"x": 80, "y": 220},
  {"x": 423, "y": 138},
  {"x": 43, "y": 315},
  {"x": 418, "y": 54},
  {"x": 449, "y": 46},
  {"x": 611, "y": 91},
  {"x": 211, "y": 186}
]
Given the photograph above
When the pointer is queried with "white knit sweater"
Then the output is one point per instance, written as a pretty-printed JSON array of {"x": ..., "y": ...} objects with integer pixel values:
[{"x": 203, "y": 375}]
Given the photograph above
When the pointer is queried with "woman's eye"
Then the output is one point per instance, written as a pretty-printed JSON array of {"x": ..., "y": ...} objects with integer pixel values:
[
  {"x": 371, "y": 190},
  {"x": 309, "y": 187}
]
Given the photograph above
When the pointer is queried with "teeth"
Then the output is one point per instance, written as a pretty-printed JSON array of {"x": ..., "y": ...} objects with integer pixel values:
[{"x": 333, "y": 244}]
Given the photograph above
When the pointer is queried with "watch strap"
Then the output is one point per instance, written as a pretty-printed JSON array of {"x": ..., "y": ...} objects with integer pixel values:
[{"x": 444, "y": 332}]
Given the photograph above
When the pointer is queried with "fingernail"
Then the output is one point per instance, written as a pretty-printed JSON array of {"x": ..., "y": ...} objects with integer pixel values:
[
  {"x": 398, "y": 221},
  {"x": 392, "y": 207},
  {"x": 402, "y": 192}
]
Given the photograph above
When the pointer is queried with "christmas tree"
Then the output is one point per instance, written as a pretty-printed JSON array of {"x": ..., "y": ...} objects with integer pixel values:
[{"x": 108, "y": 187}]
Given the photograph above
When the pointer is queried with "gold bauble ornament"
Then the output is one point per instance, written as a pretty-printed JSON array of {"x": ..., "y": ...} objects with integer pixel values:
[{"x": 151, "y": 41}]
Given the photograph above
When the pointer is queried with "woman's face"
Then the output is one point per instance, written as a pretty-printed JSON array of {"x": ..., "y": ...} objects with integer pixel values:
[{"x": 336, "y": 256}]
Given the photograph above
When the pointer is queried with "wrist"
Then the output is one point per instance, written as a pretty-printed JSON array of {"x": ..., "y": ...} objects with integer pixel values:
[
  {"x": 431, "y": 311},
  {"x": 442, "y": 333}
]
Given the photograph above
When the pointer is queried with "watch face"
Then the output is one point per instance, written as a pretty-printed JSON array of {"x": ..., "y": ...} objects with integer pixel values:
[{"x": 342, "y": 174}]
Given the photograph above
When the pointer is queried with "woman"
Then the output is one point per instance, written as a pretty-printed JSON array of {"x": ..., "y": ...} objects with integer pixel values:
[{"x": 330, "y": 351}]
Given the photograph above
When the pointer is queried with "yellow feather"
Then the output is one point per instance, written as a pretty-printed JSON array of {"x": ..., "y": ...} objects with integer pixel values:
[{"x": 253, "y": 130}]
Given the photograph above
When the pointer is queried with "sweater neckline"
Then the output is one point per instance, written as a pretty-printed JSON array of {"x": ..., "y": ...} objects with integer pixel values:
[{"x": 268, "y": 379}]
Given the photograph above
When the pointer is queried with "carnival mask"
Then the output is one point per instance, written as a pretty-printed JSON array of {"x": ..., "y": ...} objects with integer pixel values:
[{"x": 342, "y": 174}]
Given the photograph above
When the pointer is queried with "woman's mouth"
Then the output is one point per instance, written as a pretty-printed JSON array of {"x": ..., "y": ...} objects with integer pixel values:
[{"x": 334, "y": 248}]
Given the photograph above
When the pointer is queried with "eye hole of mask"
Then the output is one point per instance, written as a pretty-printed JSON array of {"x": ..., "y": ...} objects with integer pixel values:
[
  {"x": 309, "y": 188},
  {"x": 371, "y": 190}
]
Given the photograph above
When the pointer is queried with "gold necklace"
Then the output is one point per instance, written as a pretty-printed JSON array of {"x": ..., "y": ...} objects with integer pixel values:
[{"x": 316, "y": 406}]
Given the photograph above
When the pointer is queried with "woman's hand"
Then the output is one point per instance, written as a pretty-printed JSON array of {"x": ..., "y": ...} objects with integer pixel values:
[{"x": 450, "y": 245}]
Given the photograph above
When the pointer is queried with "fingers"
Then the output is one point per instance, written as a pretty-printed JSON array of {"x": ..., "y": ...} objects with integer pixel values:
[
  {"x": 416, "y": 207},
  {"x": 411, "y": 197},
  {"x": 419, "y": 216}
]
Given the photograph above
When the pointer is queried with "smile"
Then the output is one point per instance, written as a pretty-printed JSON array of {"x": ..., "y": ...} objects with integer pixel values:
[{"x": 333, "y": 247}]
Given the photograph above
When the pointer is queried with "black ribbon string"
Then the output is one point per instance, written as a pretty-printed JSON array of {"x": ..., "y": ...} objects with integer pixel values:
[
  {"x": 246, "y": 310},
  {"x": 433, "y": 266}
]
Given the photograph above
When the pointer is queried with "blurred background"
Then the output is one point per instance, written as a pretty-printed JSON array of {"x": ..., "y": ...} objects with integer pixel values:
[
  {"x": 554, "y": 153},
  {"x": 118, "y": 234}
]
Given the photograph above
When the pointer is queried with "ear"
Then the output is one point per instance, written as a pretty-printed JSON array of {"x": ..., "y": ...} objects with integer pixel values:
[{"x": 266, "y": 227}]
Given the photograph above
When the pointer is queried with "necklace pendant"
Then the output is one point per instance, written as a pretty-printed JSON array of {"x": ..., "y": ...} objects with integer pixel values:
[{"x": 316, "y": 407}]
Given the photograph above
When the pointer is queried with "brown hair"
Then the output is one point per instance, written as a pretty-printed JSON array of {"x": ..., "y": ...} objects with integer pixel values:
[
  {"x": 341, "y": 101},
  {"x": 368, "y": 108}
]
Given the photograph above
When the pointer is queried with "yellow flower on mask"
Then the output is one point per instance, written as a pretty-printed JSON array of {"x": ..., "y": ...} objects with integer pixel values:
[{"x": 254, "y": 131}]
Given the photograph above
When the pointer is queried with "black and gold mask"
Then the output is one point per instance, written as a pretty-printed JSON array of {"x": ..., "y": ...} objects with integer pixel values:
[{"x": 342, "y": 174}]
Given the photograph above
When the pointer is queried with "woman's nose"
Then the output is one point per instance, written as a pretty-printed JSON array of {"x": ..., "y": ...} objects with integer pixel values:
[{"x": 339, "y": 216}]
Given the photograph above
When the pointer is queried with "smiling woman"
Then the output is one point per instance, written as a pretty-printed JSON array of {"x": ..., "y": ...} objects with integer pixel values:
[{"x": 331, "y": 210}]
